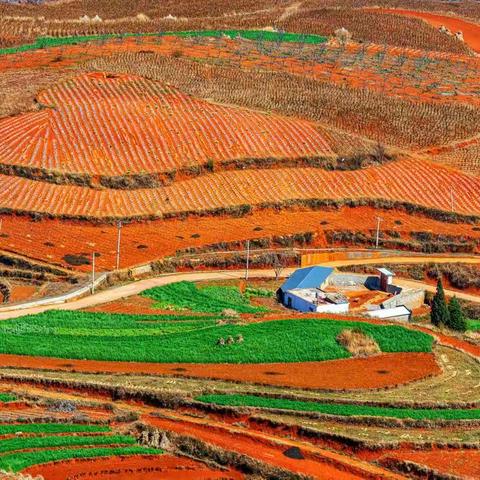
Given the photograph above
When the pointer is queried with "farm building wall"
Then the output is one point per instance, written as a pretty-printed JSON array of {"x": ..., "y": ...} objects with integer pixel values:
[
  {"x": 297, "y": 303},
  {"x": 410, "y": 298}
]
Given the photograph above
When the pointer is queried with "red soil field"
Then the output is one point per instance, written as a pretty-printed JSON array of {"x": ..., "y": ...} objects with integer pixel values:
[
  {"x": 403, "y": 180},
  {"x": 454, "y": 342},
  {"x": 461, "y": 463},
  {"x": 471, "y": 31},
  {"x": 124, "y": 124},
  {"x": 166, "y": 467},
  {"x": 22, "y": 292},
  {"x": 380, "y": 371},
  {"x": 318, "y": 463},
  {"x": 50, "y": 240},
  {"x": 339, "y": 67}
]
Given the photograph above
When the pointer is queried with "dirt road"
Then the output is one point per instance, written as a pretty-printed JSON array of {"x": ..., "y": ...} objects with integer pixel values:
[{"x": 135, "y": 288}]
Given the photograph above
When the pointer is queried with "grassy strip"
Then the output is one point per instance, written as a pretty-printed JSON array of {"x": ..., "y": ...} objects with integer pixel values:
[
  {"x": 258, "y": 35},
  {"x": 123, "y": 338},
  {"x": 12, "y": 444},
  {"x": 51, "y": 428},
  {"x": 7, "y": 397},
  {"x": 211, "y": 299},
  {"x": 473, "y": 325},
  {"x": 339, "y": 409},
  {"x": 20, "y": 460}
]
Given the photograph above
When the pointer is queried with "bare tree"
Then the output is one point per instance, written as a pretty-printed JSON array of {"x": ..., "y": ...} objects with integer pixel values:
[{"x": 278, "y": 262}]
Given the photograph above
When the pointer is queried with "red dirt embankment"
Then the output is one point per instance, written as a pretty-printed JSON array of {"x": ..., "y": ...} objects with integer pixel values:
[
  {"x": 386, "y": 370},
  {"x": 318, "y": 463},
  {"x": 461, "y": 463},
  {"x": 471, "y": 31},
  {"x": 166, "y": 467}
]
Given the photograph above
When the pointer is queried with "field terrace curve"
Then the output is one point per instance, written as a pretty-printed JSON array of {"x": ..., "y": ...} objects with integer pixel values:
[
  {"x": 418, "y": 183},
  {"x": 114, "y": 125}
]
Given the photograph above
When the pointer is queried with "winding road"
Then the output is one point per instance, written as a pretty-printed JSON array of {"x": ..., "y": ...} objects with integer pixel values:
[{"x": 135, "y": 288}]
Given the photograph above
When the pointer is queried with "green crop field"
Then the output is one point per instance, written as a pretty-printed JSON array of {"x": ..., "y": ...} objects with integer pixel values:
[
  {"x": 97, "y": 336},
  {"x": 25, "y": 443},
  {"x": 41, "y": 428},
  {"x": 19, "y": 460},
  {"x": 473, "y": 325},
  {"x": 7, "y": 397},
  {"x": 339, "y": 409},
  {"x": 256, "y": 35},
  {"x": 211, "y": 299}
]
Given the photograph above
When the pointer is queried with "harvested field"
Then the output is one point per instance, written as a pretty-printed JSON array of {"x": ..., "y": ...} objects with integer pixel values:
[
  {"x": 125, "y": 468},
  {"x": 368, "y": 112},
  {"x": 123, "y": 125},
  {"x": 386, "y": 370},
  {"x": 470, "y": 30},
  {"x": 400, "y": 181},
  {"x": 460, "y": 463},
  {"x": 321, "y": 84}
]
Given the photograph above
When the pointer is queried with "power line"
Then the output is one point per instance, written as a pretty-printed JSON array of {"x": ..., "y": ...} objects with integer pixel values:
[
  {"x": 377, "y": 239},
  {"x": 119, "y": 235},
  {"x": 248, "y": 259}
]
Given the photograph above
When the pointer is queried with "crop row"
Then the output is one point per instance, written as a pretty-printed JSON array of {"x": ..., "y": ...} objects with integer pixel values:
[
  {"x": 49, "y": 428},
  {"x": 342, "y": 409},
  {"x": 366, "y": 26},
  {"x": 261, "y": 35},
  {"x": 211, "y": 299},
  {"x": 129, "y": 124},
  {"x": 12, "y": 444},
  {"x": 19, "y": 460},
  {"x": 318, "y": 91},
  {"x": 272, "y": 341},
  {"x": 409, "y": 181}
]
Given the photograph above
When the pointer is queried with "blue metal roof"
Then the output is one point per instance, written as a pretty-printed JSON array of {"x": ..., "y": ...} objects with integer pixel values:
[{"x": 309, "y": 277}]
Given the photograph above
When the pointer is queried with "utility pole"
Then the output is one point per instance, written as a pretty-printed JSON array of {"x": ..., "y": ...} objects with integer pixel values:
[
  {"x": 248, "y": 259},
  {"x": 377, "y": 239},
  {"x": 93, "y": 272},
  {"x": 119, "y": 235}
]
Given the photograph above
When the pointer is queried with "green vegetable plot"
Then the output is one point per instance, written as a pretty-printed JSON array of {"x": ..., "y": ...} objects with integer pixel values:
[
  {"x": 100, "y": 336},
  {"x": 257, "y": 35},
  {"x": 19, "y": 460},
  {"x": 343, "y": 410},
  {"x": 51, "y": 428},
  {"x": 211, "y": 299}
]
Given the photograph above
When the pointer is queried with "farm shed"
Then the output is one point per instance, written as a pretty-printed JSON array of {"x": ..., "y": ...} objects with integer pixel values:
[
  {"x": 386, "y": 279},
  {"x": 309, "y": 277},
  {"x": 400, "y": 313},
  {"x": 316, "y": 300}
]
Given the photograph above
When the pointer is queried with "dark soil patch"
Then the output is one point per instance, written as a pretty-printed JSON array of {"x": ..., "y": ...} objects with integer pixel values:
[{"x": 295, "y": 453}]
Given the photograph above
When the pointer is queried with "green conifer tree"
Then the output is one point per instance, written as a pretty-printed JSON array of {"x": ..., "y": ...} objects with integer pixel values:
[
  {"x": 440, "y": 315},
  {"x": 457, "y": 320}
]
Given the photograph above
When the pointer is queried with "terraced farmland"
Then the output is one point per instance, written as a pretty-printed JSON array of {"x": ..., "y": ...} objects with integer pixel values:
[
  {"x": 223, "y": 143},
  {"x": 400, "y": 182}
]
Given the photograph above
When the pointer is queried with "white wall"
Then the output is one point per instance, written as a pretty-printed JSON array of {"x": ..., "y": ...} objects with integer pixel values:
[{"x": 303, "y": 305}]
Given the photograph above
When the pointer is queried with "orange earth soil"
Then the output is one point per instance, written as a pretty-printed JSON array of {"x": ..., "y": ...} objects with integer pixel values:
[
  {"x": 166, "y": 467},
  {"x": 380, "y": 371},
  {"x": 461, "y": 463},
  {"x": 314, "y": 465},
  {"x": 124, "y": 124},
  {"x": 50, "y": 240},
  {"x": 470, "y": 30},
  {"x": 399, "y": 181},
  {"x": 341, "y": 69},
  {"x": 22, "y": 292}
]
